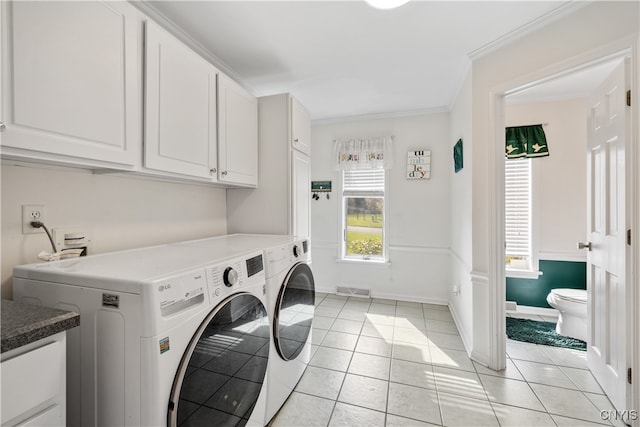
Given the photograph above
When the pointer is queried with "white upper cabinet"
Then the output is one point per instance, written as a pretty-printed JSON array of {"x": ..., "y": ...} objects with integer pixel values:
[
  {"x": 238, "y": 134},
  {"x": 180, "y": 107},
  {"x": 72, "y": 93},
  {"x": 300, "y": 127},
  {"x": 281, "y": 203},
  {"x": 70, "y": 82}
]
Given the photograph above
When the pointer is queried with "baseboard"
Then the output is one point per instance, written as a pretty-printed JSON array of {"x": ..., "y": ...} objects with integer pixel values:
[
  {"x": 391, "y": 296},
  {"x": 540, "y": 311},
  {"x": 461, "y": 331},
  {"x": 482, "y": 359}
]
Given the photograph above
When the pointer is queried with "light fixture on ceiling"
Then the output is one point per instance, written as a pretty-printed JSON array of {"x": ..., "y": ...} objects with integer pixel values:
[{"x": 386, "y": 4}]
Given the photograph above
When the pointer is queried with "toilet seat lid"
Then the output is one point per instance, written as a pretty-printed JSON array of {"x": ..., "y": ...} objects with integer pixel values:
[{"x": 573, "y": 295}]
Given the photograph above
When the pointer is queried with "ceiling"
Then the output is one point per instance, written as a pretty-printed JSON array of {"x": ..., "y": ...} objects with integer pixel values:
[
  {"x": 576, "y": 84},
  {"x": 345, "y": 58}
]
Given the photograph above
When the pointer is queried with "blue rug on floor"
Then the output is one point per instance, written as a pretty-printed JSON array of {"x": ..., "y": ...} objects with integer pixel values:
[{"x": 537, "y": 332}]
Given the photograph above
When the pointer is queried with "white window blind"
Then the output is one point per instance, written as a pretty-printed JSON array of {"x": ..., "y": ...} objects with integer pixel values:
[
  {"x": 518, "y": 208},
  {"x": 368, "y": 182}
]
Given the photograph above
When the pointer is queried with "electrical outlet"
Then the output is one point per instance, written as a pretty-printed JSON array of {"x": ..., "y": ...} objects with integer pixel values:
[{"x": 32, "y": 213}]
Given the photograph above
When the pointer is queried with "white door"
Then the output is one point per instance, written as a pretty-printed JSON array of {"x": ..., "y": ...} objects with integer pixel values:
[
  {"x": 300, "y": 127},
  {"x": 180, "y": 107},
  {"x": 70, "y": 82},
  {"x": 606, "y": 231},
  {"x": 301, "y": 194},
  {"x": 238, "y": 134}
]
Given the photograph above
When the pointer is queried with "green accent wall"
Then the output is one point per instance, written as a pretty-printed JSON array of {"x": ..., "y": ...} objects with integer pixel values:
[{"x": 556, "y": 274}]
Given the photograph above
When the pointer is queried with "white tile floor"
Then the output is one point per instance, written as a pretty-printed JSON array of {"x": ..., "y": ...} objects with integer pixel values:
[{"x": 396, "y": 363}]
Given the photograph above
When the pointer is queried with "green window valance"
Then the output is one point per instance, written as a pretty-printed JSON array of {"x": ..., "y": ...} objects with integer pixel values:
[{"x": 526, "y": 141}]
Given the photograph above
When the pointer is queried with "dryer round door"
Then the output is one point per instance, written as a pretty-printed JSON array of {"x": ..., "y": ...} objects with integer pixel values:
[
  {"x": 221, "y": 373},
  {"x": 294, "y": 311}
]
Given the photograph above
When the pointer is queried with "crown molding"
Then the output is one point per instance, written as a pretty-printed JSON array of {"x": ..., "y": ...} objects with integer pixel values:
[
  {"x": 148, "y": 9},
  {"x": 538, "y": 23},
  {"x": 379, "y": 116}
]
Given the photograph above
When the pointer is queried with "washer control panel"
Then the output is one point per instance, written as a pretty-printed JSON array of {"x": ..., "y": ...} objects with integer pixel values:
[
  {"x": 180, "y": 292},
  {"x": 208, "y": 284},
  {"x": 235, "y": 275}
]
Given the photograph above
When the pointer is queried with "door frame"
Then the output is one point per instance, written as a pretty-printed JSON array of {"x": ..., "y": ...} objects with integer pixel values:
[{"x": 496, "y": 274}]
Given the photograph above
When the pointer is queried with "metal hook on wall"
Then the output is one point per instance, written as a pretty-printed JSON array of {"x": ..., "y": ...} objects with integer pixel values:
[{"x": 320, "y": 187}]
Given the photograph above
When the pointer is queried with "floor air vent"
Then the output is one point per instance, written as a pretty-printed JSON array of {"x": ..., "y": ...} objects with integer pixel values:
[{"x": 353, "y": 292}]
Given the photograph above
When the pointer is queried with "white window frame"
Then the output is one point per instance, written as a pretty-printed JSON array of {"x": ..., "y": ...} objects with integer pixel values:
[
  {"x": 343, "y": 219},
  {"x": 524, "y": 170}
]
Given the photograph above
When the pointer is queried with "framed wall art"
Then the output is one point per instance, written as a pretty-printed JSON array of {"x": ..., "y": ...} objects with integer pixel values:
[
  {"x": 457, "y": 156},
  {"x": 419, "y": 164}
]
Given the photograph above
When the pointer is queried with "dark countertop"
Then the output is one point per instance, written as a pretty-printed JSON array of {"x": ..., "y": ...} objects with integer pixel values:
[{"x": 22, "y": 324}]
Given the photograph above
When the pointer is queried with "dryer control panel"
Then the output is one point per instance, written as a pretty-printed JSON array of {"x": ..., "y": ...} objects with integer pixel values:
[{"x": 281, "y": 258}]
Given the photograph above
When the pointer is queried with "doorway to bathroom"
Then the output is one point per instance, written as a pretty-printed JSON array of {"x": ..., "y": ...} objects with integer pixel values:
[{"x": 561, "y": 187}]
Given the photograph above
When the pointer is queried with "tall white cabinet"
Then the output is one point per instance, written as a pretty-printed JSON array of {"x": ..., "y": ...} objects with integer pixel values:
[{"x": 281, "y": 203}]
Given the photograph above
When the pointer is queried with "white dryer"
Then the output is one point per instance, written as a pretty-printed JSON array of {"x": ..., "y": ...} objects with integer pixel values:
[
  {"x": 168, "y": 335},
  {"x": 290, "y": 299}
]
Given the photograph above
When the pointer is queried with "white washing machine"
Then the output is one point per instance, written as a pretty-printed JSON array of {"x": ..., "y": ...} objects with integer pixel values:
[
  {"x": 168, "y": 335},
  {"x": 290, "y": 304},
  {"x": 290, "y": 299}
]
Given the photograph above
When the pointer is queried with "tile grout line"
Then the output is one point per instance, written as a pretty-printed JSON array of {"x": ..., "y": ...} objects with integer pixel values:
[{"x": 475, "y": 371}]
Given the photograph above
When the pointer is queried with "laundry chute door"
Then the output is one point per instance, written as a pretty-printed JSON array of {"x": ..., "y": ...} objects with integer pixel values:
[{"x": 606, "y": 231}]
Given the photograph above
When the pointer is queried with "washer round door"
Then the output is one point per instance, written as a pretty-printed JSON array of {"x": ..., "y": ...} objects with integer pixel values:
[
  {"x": 221, "y": 373},
  {"x": 294, "y": 311}
]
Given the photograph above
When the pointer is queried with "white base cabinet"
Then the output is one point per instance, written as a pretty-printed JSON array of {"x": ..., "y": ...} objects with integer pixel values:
[
  {"x": 281, "y": 203},
  {"x": 34, "y": 383},
  {"x": 70, "y": 82}
]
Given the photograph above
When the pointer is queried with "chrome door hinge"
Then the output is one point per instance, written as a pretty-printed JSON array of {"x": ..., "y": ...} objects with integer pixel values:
[
  {"x": 2, "y": 127},
  {"x": 629, "y": 377},
  {"x": 629, "y": 237},
  {"x": 628, "y": 98}
]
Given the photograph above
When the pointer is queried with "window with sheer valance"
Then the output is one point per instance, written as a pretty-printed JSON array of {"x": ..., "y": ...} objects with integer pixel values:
[{"x": 363, "y": 153}]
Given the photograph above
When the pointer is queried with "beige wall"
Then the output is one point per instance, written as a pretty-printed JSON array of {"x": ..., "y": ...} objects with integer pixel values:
[
  {"x": 595, "y": 30},
  {"x": 118, "y": 212},
  {"x": 460, "y": 301},
  {"x": 559, "y": 181},
  {"x": 417, "y": 211}
]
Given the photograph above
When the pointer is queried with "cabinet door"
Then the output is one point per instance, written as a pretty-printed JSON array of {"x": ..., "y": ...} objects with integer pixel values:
[
  {"x": 300, "y": 127},
  {"x": 301, "y": 193},
  {"x": 70, "y": 80},
  {"x": 35, "y": 381},
  {"x": 180, "y": 107},
  {"x": 238, "y": 133}
]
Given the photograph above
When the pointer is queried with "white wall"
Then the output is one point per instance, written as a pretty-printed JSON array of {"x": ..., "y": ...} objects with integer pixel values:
[
  {"x": 119, "y": 212},
  {"x": 461, "y": 303},
  {"x": 559, "y": 181},
  {"x": 418, "y": 212}
]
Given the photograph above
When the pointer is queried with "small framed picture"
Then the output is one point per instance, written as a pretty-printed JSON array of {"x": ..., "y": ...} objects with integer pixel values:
[
  {"x": 457, "y": 156},
  {"x": 419, "y": 164}
]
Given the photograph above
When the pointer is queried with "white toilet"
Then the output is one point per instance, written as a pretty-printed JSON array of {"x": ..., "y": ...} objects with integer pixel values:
[{"x": 572, "y": 305}]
